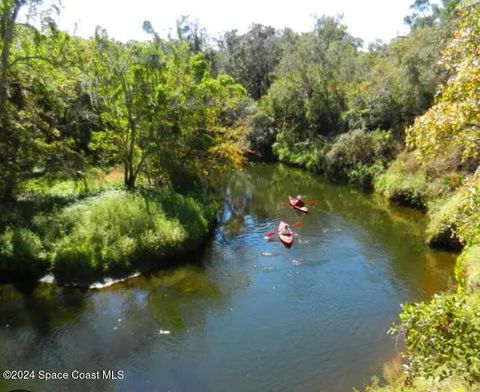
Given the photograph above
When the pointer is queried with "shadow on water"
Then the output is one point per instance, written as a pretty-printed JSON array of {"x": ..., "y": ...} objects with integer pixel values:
[{"x": 41, "y": 307}]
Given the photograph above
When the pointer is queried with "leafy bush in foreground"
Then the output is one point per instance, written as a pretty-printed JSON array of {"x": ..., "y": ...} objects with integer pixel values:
[{"x": 442, "y": 337}]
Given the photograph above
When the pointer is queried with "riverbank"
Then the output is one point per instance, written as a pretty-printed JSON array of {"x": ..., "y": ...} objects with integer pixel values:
[
  {"x": 107, "y": 232},
  {"x": 449, "y": 193}
]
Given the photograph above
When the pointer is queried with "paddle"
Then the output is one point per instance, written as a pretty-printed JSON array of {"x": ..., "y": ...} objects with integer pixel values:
[
  {"x": 270, "y": 235},
  {"x": 297, "y": 224}
]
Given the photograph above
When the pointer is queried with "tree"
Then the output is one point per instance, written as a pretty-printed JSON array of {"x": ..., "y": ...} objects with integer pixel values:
[
  {"x": 397, "y": 82},
  {"x": 123, "y": 83},
  {"x": 161, "y": 110},
  {"x": 192, "y": 33},
  {"x": 9, "y": 11},
  {"x": 24, "y": 132},
  {"x": 454, "y": 120},
  {"x": 251, "y": 58},
  {"x": 309, "y": 95},
  {"x": 427, "y": 14}
]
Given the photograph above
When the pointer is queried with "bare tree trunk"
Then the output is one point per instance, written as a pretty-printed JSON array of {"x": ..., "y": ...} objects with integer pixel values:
[
  {"x": 7, "y": 140},
  {"x": 11, "y": 14}
]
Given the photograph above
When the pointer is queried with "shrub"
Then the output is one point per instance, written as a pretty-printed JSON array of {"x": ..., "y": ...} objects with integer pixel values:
[
  {"x": 358, "y": 156},
  {"x": 441, "y": 229},
  {"x": 308, "y": 154},
  {"x": 456, "y": 219},
  {"x": 404, "y": 182},
  {"x": 22, "y": 252},
  {"x": 468, "y": 218},
  {"x": 442, "y": 337},
  {"x": 467, "y": 269}
]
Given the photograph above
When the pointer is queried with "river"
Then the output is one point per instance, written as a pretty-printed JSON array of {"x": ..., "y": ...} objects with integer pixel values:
[{"x": 242, "y": 314}]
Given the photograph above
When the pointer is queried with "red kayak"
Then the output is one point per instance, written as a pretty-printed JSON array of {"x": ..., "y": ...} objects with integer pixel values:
[
  {"x": 298, "y": 204},
  {"x": 285, "y": 234}
]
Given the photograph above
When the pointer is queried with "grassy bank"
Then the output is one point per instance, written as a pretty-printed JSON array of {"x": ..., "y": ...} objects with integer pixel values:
[
  {"x": 85, "y": 235},
  {"x": 442, "y": 335},
  {"x": 356, "y": 157}
]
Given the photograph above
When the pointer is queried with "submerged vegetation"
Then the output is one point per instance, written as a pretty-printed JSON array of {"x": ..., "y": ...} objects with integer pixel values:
[{"x": 400, "y": 119}]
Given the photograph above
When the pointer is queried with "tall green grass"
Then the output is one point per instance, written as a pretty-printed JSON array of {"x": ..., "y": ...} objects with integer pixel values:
[
  {"x": 114, "y": 232},
  {"x": 111, "y": 233},
  {"x": 404, "y": 182}
]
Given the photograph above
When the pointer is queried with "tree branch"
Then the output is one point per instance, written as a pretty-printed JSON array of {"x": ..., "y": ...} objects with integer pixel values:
[{"x": 27, "y": 58}]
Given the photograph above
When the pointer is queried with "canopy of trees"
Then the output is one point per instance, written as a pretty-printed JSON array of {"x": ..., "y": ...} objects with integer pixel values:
[
  {"x": 166, "y": 109},
  {"x": 67, "y": 104},
  {"x": 454, "y": 119}
]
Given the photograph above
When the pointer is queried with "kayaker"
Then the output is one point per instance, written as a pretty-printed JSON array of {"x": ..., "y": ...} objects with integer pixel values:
[
  {"x": 299, "y": 202},
  {"x": 286, "y": 230}
]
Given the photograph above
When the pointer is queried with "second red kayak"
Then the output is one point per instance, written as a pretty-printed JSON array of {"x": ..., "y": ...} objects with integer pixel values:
[
  {"x": 298, "y": 204},
  {"x": 285, "y": 234}
]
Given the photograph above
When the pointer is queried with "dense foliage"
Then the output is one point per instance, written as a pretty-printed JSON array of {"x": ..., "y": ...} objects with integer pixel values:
[
  {"x": 441, "y": 173},
  {"x": 67, "y": 104},
  {"x": 251, "y": 57},
  {"x": 442, "y": 337},
  {"x": 454, "y": 119},
  {"x": 70, "y": 108},
  {"x": 325, "y": 85},
  {"x": 170, "y": 112}
]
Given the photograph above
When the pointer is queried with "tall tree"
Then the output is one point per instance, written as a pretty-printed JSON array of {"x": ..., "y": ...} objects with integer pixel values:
[
  {"x": 454, "y": 120},
  {"x": 251, "y": 57},
  {"x": 160, "y": 108},
  {"x": 309, "y": 95},
  {"x": 22, "y": 47}
]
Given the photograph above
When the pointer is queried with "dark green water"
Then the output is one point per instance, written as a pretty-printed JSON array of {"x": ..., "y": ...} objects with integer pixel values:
[{"x": 244, "y": 314}]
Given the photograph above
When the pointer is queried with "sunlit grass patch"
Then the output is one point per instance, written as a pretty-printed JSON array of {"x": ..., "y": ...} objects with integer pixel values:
[
  {"x": 404, "y": 182},
  {"x": 104, "y": 233},
  {"x": 111, "y": 232}
]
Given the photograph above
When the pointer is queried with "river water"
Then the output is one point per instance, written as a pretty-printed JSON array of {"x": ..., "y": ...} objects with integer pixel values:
[{"x": 243, "y": 314}]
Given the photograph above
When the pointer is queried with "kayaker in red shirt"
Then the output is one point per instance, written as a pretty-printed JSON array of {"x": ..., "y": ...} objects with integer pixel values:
[{"x": 299, "y": 202}]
